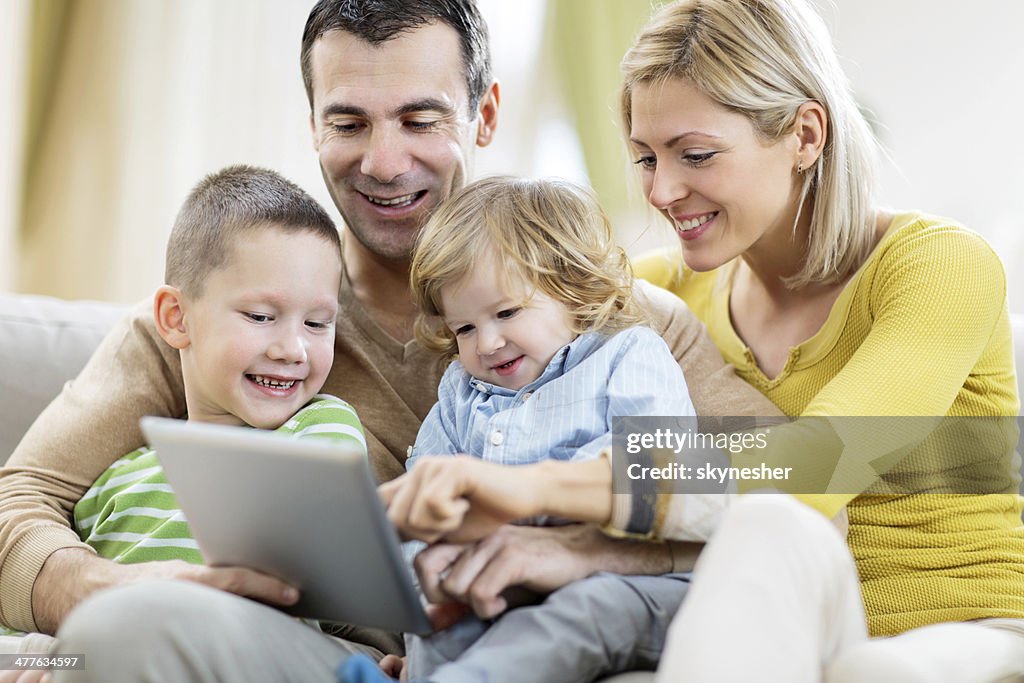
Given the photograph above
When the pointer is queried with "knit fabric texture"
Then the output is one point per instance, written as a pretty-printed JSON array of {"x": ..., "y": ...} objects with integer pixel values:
[{"x": 922, "y": 329}]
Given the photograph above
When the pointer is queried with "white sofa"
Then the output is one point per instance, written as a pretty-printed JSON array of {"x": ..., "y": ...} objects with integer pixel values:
[{"x": 44, "y": 342}]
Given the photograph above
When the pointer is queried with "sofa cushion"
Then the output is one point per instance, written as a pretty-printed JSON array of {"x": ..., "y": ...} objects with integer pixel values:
[{"x": 44, "y": 342}]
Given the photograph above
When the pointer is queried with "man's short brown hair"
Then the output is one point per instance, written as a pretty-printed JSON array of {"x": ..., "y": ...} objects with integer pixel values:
[{"x": 378, "y": 21}]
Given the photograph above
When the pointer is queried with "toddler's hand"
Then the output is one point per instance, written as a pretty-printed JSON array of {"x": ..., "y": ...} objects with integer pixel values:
[{"x": 394, "y": 666}]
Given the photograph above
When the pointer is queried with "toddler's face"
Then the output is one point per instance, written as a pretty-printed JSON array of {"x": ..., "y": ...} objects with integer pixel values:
[
  {"x": 261, "y": 333},
  {"x": 506, "y": 333}
]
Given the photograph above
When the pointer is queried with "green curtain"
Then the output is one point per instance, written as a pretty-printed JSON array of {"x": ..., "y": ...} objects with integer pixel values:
[
  {"x": 586, "y": 40},
  {"x": 48, "y": 27}
]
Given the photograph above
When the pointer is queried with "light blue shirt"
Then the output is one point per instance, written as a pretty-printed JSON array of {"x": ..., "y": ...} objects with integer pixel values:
[{"x": 566, "y": 413}]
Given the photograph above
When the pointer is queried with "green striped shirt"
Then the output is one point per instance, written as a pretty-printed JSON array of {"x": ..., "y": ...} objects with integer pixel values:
[{"x": 131, "y": 515}]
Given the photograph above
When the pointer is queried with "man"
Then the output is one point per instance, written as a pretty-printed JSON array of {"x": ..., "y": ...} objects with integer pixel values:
[{"x": 400, "y": 94}]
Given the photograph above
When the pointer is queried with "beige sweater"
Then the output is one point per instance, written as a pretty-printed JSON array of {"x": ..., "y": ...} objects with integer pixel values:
[{"x": 134, "y": 373}]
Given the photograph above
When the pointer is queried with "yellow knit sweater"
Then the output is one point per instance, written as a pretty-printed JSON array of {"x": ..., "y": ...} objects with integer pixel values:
[{"x": 921, "y": 329}]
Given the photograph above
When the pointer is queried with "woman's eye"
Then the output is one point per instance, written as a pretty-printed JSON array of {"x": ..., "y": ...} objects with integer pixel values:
[
  {"x": 699, "y": 159},
  {"x": 647, "y": 162},
  {"x": 508, "y": 313}
]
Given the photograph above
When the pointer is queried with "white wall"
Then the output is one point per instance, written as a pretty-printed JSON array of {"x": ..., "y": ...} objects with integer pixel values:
[{"x": 946, "y": 81}]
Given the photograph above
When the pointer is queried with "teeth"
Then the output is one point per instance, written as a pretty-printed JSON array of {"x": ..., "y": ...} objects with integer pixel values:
[
  {"x": 695, "y": 222},
  {"x": 404, "y": 200},
  {"x": 272, "y": 383}
]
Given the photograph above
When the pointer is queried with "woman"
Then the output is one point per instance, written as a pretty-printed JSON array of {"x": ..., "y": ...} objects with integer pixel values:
[{"x": 750, "y": 144}]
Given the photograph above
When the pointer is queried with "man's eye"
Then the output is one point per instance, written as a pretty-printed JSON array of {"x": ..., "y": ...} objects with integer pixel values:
[
  {"x": 421, "y": 125},
  {"x": 508, "y": 313},
  {"x": 345, "y": 128},
  {"x": 258, "y": 317}
]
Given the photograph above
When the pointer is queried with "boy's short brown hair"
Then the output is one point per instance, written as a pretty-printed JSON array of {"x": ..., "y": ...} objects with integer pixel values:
[{"x": 225, "y": 205}]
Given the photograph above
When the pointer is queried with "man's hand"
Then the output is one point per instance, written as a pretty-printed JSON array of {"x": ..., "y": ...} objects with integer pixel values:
[
  {"x": 69, "y": 576},
  {"x": 539, "y": 559},
  {"x": 31, "y": 676}
]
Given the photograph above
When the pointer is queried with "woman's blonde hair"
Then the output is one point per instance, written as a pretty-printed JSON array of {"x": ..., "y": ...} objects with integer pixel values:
[
  {"x": 764, "y": 59},
  {"x": 550, "y": 233}
]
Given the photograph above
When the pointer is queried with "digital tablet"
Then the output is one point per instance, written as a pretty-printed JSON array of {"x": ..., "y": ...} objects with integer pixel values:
[{"x": 304, "y": 510}]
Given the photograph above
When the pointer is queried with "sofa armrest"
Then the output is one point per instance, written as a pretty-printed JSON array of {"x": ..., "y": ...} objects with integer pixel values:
[{"x": 44, "y": 342}]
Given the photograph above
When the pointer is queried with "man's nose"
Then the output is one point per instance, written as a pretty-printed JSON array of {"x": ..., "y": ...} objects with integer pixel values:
[{"x": 386, "y": 155}]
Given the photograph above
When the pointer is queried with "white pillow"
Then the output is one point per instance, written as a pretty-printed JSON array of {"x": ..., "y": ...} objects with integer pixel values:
[{"x": 44, "y": 342}]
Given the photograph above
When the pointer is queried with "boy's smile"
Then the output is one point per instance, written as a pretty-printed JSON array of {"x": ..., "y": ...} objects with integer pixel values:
[{"x": 261, "y": 332}]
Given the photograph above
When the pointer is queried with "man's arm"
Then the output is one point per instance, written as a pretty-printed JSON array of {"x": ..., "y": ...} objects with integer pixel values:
[
  {"x": 540, "y": 559},
  {"x": 89, "y": 425},
  {"x": 714, "y": 386}
]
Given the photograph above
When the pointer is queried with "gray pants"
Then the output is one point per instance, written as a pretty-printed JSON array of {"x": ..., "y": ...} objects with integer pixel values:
[
  {"x": 591, "y": 628},
  {"x": 178, "y": 631}
]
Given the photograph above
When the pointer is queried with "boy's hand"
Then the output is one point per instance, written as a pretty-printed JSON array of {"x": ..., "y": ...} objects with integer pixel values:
[{"x": 70, "y": 575}]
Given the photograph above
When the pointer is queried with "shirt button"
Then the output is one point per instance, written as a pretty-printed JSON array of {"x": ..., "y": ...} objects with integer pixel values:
[
  {"x": 527, "y": 395},
  {"x": 480, "y": 387},
  {"x": 497, "y": 438}
]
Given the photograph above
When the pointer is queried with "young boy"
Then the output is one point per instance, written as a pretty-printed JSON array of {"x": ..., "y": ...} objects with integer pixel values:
[
  {"x": 519, "y": 280},
  {"x": 252, "y": 276}
]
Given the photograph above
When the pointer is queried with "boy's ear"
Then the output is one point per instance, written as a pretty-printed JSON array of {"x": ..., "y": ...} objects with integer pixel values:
[{"x": 169, "y": 315}]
